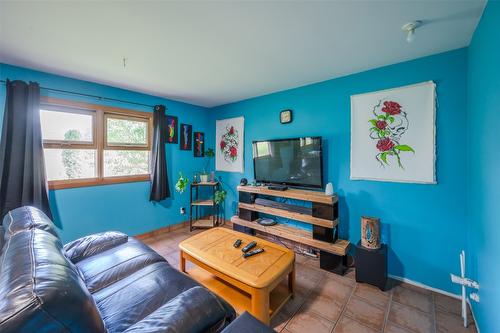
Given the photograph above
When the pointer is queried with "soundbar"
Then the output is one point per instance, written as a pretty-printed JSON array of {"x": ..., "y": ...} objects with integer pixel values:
[
  {"x": 277, "y": 187},
  {"x": 281, "y": 205}
]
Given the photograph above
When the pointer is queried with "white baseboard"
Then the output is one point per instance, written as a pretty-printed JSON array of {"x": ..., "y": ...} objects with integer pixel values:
[
  {"x": 439, "y": 291},
  {"x": 424, "y": 286}
]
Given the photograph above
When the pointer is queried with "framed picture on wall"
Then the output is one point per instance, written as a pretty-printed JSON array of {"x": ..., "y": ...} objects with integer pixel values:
[
  {"x": 229, "y": 140},
  {"x": 393, "y": 134},
  {"x": 199, "y": 144},
  {"x": 172, "y": 129},
  {"x": 186, "y": 132}
]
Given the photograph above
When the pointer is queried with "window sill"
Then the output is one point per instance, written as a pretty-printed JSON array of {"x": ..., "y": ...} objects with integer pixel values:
[{"x": 74, "y": 183}]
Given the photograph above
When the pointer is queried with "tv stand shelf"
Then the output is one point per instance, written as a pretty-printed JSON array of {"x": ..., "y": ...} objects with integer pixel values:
[
  {"x": 297, "y": 235},
  {"x": 289, "y": 215},
  {"x": 291, "y": 193},
  {"x": 323, "y": 216}
]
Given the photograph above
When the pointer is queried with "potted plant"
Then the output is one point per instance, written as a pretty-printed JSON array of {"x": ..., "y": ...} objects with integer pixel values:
[
  {"x": 220, "y": 196},
  {"x": 181, "y": 184},
  {"x": 204, "y": 175}
]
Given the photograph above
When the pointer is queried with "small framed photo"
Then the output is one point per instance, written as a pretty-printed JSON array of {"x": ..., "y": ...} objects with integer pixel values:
[
  {"x": 172, "y": 129},
  {"x": 199, "y": 144},
  {"x": 286, "y": 116},
  {"x": 186, "y": 132}
]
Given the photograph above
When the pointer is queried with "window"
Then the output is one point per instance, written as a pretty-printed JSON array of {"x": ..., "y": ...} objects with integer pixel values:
[{"x": 88, "y": 144}]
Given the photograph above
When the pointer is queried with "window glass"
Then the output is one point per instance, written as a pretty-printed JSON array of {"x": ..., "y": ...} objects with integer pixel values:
[
  {"x": 126, "y": 131},
  {"x": 61, "y": 164},
  {"x": 125, "y": 162},
  {"x": 66, "y": 126}
]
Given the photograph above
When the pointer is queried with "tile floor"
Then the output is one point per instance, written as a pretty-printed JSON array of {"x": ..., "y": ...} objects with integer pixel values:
[{"x": 326, "y": 302}]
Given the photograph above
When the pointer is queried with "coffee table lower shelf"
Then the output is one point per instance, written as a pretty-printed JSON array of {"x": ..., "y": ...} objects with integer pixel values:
[{"x": 240, "y": 300}]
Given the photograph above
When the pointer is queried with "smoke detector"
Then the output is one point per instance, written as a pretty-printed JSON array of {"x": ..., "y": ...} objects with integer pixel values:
[{"x": 409, "y": 28}]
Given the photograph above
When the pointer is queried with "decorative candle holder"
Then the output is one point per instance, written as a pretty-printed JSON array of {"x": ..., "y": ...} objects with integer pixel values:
[{"x": 370, "y": 232}]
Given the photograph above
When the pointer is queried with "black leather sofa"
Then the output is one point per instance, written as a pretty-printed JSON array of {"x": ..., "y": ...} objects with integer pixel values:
[{"x": 106, "y": 282}]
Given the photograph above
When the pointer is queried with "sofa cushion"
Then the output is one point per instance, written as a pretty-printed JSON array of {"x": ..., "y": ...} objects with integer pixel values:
[
  {"x": 246, "y": 323},
  {"x": 134, "y": 297},
  {"x": 41, "y": 289},
  {"x": 101, "y": 270},
  {"x": 191, "y": 311},
  {"x": 89, "y": 245},
  {"x": 26, "y": 217}
]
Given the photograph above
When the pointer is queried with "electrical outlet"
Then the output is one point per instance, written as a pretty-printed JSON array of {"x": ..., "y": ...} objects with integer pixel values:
[{"x": 182, "y": 210}]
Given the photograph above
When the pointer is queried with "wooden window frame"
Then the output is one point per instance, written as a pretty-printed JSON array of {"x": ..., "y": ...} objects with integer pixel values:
[{"x": 100, "y": 114}]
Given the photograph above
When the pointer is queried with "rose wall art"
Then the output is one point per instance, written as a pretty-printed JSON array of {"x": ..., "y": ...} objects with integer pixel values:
[
  {"x": 393, "y": 134},
  {"x": 229, "y": 141}
]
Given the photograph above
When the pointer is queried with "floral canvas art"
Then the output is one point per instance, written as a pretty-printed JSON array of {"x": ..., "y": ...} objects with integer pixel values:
[
  {"x": 393, "y": 134},
  {"x": 229, "y": 141}
]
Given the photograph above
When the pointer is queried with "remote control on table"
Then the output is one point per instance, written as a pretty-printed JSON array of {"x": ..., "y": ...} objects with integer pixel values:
[
  {"x": 237, "y": 243},
  {"x": 249, "y": 246},
  {"x": 252, "y": 253}
]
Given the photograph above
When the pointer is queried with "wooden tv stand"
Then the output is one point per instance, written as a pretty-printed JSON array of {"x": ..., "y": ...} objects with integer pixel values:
[{"x": 323, "y": 217}]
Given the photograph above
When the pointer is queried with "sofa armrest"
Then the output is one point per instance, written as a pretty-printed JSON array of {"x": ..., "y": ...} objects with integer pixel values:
[
  {"x": 246, "y": 323},
  {"x": 93, "y": 244},
  {"x": 195, "y": 310}
]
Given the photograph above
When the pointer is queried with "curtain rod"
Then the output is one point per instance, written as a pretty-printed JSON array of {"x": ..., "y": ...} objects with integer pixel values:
[{"x": 92, "y": 96}]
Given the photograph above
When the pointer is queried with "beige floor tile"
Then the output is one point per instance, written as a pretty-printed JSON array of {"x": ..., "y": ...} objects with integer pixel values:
[
  {"x": 307, "y": 278},
  {"x": 449, "y": 304},
  {"x": 335, "y": 289},
  {"x": 308, "y": 321},
  {"x": 366, "y": 313},
  {"x": 372, "y": 295},
  {"x": 279, "y": 321},
  {"x": 293, "y": 305},
  {"x": 324, "y": 306},
  {"x": 393, "y": 328},
  {"x": 413, "y": 298},
  {"x": 412, "y": 287},
  {"x": 410, "y": 318},
  {"x": 450, "y": 323},
  {"x": 348, "y": 325}
]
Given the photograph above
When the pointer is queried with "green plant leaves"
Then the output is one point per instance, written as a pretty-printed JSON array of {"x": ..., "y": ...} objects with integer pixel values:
[
  {"x": 404, "y": 148},
  {"x": 373, "y": 122}
]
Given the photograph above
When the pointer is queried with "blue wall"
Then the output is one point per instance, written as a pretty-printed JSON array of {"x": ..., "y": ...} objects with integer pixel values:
[
  {"x": 484, "y": 166},
  {"x": 123, "y": 207},
  {"x": 424, "y": 225}
]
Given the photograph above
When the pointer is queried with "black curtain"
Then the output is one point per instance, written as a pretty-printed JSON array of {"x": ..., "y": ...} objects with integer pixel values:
[
  {"x": 22, "y": 170},
  {"x": 159, "y": 180}
]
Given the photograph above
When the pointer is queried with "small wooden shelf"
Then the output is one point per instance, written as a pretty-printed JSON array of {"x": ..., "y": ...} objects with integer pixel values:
[
  {"x": 313, "y": 196},
  {"x": 205, "y": 184},
  {"x": 198, "y": 206},
  {"x": 290, "y": 215},
  {"x": 203, "y": 223},
  {"x": 240, "y": 300},
  {"x": 208, "y": 202},
  {"x": 297, "y": 235}
]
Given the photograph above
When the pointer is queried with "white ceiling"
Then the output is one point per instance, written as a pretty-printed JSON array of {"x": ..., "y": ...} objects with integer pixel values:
[{"x": 212, "y": 53}]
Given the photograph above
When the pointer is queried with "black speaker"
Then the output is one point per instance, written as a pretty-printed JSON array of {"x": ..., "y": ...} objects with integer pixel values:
[
  {"x": 371, "y": 266},
  {"x": 247, "y": 215},
  {"x": 332, "y": 262},
  {"x": 248, "y": 198},
  {"x": 243, "y": 181}
]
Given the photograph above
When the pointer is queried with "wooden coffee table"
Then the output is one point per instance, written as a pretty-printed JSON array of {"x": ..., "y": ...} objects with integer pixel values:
[{"x": 256, "y": 284}]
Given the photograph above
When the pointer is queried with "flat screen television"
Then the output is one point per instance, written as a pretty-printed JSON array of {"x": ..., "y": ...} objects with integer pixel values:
[{"x": 293, "y": 162}]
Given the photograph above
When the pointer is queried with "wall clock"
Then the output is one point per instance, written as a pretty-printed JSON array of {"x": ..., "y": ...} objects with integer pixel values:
[{"x": 286, "y": 116}]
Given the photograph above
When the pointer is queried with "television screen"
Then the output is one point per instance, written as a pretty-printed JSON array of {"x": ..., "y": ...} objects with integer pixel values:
[{"x": 294, "y": 162}]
